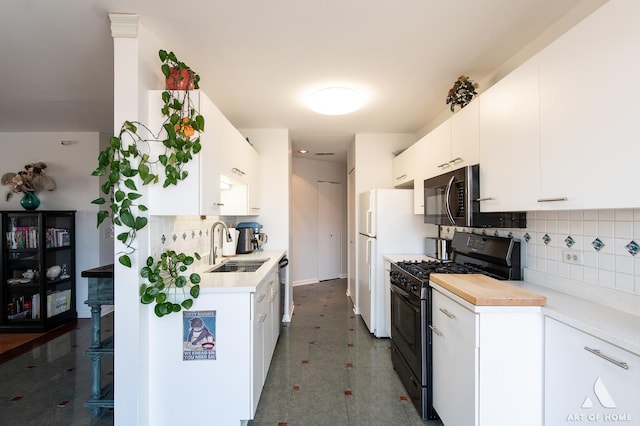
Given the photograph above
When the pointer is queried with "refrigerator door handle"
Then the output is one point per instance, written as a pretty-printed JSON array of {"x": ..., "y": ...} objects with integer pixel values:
[
  {"x": 369, "y": 213},
  {"x": 368, "y": 257}
]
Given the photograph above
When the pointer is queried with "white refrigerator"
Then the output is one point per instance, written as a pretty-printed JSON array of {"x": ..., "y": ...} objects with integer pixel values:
[{"x": 386, "y": 225}]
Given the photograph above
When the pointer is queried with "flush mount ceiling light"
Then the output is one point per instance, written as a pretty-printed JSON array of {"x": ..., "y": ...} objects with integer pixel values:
[{"x": 335, "y": 101}]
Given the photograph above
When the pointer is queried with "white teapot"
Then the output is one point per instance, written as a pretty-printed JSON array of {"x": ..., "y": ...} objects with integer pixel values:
[{"x": 29, "y": 274}]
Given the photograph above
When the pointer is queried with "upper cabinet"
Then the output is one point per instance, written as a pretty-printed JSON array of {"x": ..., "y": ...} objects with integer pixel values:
[
  {"x": 465, "y": 136},
  {"x": 222, "y": 179},
  {"x": 509, "y": 142},
  {"x": 589, "y": 110}
]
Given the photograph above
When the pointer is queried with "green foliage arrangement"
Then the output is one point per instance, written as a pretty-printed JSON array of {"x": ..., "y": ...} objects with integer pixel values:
[{"x": 166, "y": 282}]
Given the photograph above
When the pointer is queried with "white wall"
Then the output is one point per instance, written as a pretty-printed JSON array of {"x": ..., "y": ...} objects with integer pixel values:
[
  {"x": 304, "y": 248},
  {"x": 70, "y": 166},
  {"x": 136, "y": 70}
]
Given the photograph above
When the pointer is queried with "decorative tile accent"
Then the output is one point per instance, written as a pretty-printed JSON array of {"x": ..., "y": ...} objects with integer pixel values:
[
  {"x": 496, "y": 233},
  {"x": 633, "y": 248},
  {"x": 348, "y": 393},
  {"x": 200, "y": 234},
  {"x": 510, "y": 234},
  {"x": 163, "y": 239},
  {"x": 597, "y": 244},
  {"x": 349, "y": 365},
  {"x": 526, "y": 237},
  {"x": 174, "y": 237},
  {"x": 184, "y": 235},
  {"x": 193, "y": 234},
  {"x": 546, "y": 239},
  {"x": 569, "y": 241}
]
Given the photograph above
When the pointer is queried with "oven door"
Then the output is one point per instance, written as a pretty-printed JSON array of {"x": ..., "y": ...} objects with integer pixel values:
[{"x": 408, "y": 330}]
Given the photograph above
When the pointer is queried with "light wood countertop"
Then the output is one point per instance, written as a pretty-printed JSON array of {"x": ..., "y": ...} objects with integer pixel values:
[{"x": 481, "y": 290}]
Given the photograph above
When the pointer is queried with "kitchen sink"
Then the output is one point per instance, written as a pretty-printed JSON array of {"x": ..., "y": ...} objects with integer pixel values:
[{"x": 249, "y": 265}]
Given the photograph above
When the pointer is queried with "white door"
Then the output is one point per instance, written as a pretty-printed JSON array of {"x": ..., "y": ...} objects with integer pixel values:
[{"x": 329, "y": 230}]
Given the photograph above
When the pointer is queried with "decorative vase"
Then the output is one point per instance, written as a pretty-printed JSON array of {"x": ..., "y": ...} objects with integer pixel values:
[
  {"x": 180, "y": 79},
  {"x": 29, "y": 201}
]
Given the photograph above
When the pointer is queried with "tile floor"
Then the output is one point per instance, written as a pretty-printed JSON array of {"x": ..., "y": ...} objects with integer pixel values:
[
  {"x": 50, "y": 384},
  {"x": 326, "y": 370}
]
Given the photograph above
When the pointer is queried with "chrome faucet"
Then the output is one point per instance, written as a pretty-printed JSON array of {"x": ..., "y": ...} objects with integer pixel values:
[{"x": 212, "y": 252}]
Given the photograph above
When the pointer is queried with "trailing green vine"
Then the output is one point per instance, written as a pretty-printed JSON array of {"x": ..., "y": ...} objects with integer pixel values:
[
  {"x": 129, "y": 155},
  {"x": 129, "y": 160}
]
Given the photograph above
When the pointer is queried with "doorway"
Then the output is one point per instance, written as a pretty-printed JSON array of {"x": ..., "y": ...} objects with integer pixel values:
[{"x": 329, "y": 230}]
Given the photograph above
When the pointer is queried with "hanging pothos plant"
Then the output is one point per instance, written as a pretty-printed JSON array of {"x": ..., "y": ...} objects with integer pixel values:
[{"x": 129, "y": 159}]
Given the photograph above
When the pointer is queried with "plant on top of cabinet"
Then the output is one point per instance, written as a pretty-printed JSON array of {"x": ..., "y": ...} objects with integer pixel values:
[
  {"x": 128, "y": 156},
  {"x": 462, "y": 92},
  {"x": 165, "y": 280}
]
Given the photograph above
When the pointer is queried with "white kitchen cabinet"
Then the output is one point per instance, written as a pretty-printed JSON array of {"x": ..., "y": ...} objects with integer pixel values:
[
  {"x": 465, "y": 136},
  {"x": 439, "y": 150},
  {"x": 588, "y": 380},
  {"x": 487, "y": 362},
  {"x": 403, "y": 167},
  {"x": 240, "y": 174},
  {"x": 590, "y": 142},
  {"x": 225, "y": 161},
  {"x": 266, "y": 330},
  {"x": 410, "y": 171},
  {"x": 509, "y": 142},
  {"x": 260, "y": 330},
  {"x": 195, "y": 195}
]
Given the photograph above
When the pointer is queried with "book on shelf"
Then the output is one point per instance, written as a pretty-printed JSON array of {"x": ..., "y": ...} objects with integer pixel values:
[
  {"x": 57, "y": 237},
  {"x": 22, "y": 237}
]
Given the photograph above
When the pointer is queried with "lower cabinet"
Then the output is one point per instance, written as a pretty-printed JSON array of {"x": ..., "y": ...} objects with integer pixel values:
[
  {"x": 487, "y": 362},
  {"x": 588, "y": 380},
  {"x": 265, "y": 330}
]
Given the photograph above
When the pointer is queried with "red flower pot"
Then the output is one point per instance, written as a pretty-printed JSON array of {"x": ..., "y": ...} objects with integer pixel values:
[{"x": 180, "y": 79}]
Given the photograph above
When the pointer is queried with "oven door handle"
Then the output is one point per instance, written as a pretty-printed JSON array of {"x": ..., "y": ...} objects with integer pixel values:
[{"x": 447, "y": 200}]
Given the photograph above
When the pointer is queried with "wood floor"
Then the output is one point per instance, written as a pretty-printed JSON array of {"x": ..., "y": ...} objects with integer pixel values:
[{"x": 15, "y": 344}]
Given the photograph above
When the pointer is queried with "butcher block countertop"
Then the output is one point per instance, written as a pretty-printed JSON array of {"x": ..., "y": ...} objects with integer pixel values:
[{"x": 481, "y": 290}]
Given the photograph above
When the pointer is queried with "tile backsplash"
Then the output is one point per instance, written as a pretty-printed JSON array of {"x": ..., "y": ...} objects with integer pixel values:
[
  {"x": 187, "y": 234},
  {"x": 605, "y": 243}
]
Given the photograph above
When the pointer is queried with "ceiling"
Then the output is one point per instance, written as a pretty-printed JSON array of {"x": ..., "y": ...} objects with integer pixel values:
[{"x": 257, "y": 59}]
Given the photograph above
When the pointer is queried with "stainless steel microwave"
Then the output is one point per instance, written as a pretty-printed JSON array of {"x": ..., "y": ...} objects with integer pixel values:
[{"x": 453, "y": 198}]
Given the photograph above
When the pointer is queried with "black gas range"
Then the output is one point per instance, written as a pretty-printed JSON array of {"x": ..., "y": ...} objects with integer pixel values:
[{"x": 497, "y": 257}]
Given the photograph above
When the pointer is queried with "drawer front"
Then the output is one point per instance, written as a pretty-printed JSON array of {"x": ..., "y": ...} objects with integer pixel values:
[
  {"x": 588, "y": 380},
  {"x": 451, "y": 317}
]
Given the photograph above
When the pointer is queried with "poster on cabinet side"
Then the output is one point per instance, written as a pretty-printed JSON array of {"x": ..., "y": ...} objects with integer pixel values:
[{"x": 199, "y": 335}]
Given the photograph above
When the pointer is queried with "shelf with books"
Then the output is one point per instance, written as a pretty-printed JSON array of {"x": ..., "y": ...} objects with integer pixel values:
[{"x": 37, "y": 270}]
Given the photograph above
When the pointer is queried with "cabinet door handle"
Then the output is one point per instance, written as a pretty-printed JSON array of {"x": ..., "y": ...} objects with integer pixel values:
[
  {"x": 401, "y": 177},
  {"x": 443, "y": 165},
  {"x": 262, "y": 317},
  {"x": 455, "y": 160},
  {"x": 218, "y": 204},
  {"x": 550, "y": 200},
  {"x": 447, "y": 313},
  {"x": 485, "y": 199},
  {"x": 597, "y": 352},
  {"x": 261, "y": 298},
  {"x": 435, "y": 330}
]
